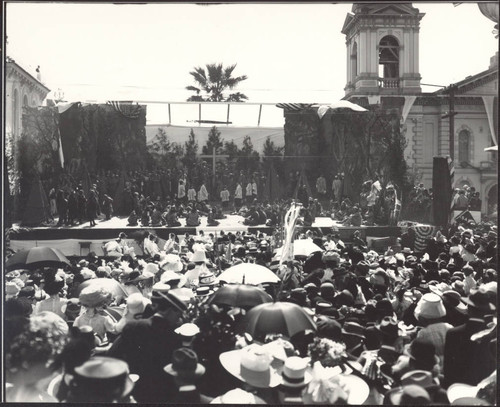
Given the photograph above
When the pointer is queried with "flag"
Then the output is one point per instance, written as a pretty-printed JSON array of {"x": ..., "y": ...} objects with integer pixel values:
[
  {"x": 465, "y": 216},
  {"x": 228, "y": 252},
  {"x": 289, "y": 227},
  {"x": 59, "y": 141},
  {"x": 422, "y": 233}
]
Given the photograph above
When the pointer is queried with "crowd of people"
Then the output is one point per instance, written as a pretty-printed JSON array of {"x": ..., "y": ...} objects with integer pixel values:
[{"x": 395, "y": 326}]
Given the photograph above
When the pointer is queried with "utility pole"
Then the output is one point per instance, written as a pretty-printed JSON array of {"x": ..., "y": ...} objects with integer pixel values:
[{"x": 451, "y": 116}]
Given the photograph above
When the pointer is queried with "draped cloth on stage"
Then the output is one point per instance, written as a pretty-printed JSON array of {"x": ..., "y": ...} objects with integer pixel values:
[{"x": 491, "y": 107}]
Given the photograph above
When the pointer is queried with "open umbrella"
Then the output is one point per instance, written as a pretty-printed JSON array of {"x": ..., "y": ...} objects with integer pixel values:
[
  {"x": 36, "y": 257},
  {"x": 277, "y": 318},
  {"x": 111, "y": 285},
  {"x": 240, "y": 295},
  {"x": 302, "y": 247},
  {"x": 248, "y": 273}
]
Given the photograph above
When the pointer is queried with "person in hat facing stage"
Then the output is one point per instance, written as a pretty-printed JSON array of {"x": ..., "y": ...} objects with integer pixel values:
[
  {"x": 101, "y": 380},
  {"x": 147, "y": 345},
  {"x": 466, "y": 361},
  {"x": 294, "y": 379},
  {"x": 186, "y": 371}
]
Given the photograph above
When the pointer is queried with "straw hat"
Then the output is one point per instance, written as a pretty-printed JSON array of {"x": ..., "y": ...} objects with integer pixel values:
[
  {"x": 237, "y": 396},
  {"x": 95, "y": 296},
  {"x": 294, "y": 373},
  {"x": 251, "y": 365}
]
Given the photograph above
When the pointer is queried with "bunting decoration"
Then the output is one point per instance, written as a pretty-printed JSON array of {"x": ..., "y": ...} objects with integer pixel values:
[
  {"x": 126, "y": 109},
  {"x": 422, "y": 233}
]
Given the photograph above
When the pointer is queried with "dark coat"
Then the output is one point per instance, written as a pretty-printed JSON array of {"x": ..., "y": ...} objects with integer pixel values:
[
  {"x": 147, "y": 346},
  {"x": 466, "y": 361},
  {"x": 92, "y": 207}
]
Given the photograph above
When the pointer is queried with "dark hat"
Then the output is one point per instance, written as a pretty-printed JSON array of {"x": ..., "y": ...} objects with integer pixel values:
[
  {"x": 73, "y": 309},
  {"x": 329, "y": 328},
  {"x": 408, "y": 395},
  {"x": 185, "y": 364},
  {"x": 423, "y": 352},
  {"x": 480, "y": 300},
  {"x": 101, "y": 377},
  {"x": 388, "y": 326},
  {"x": 168, "y": 297},
  {"x": 384, "y": 308},
  {"x": 321, "y": 306},
  {"x": 345, "y": 297},
  {"x": 353, "y": 329},
  {"x": 27, "y": 292},
  {"x": 299, "y": 295}
]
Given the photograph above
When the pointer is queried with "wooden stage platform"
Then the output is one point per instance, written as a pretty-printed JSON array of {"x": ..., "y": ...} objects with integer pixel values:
[{"x": 80, "y": 240}]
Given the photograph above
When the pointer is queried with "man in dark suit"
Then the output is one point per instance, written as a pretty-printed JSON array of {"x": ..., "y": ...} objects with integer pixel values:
[
  {"x": 147, "y": 346},
  {"x": 466, "y": 361},
  {"x": 186, "y": 370}
]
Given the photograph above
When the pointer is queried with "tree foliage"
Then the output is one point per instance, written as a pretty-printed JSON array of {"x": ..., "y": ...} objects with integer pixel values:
[
  {"x": 213, "y": 82},
  {"x": 214, "y": 142},
  {"x": 190, "y": 151}
]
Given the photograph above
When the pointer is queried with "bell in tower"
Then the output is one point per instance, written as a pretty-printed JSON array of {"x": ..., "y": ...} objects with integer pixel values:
[{"x": 382, "y": 49}]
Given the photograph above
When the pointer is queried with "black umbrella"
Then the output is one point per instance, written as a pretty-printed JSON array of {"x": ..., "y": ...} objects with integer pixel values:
[
  {"x": 277, "y": 318},
  {"x": 240, "y": 295},
  {"x": 36, "y": 257}
]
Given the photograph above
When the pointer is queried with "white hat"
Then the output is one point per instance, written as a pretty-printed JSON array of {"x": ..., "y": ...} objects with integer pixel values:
[
  {"x": 188, "y": 329},
  {"x": 294, "y": 372},
  {"x": 460, "y": 390},
  {"x": 430, "y": 306},
  {"x": 171, "y": 262},
  {"x": 237, "y": 396},
  {"x": 136, "y": 303},
  {"x": 151, "y": 268},
  {"x": 87, "y": 274},
  {"x": 198, "y": 256},
  {"x": 168, "y": 276},
  {"x": 251, "y": 365}
]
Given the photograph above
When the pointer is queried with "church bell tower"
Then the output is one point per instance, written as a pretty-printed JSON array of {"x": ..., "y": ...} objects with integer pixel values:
[{"x": 382, "y": 49}]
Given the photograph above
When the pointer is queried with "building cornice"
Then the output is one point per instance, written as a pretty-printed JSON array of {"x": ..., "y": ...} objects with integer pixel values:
[{"x": 15, "y": 70}]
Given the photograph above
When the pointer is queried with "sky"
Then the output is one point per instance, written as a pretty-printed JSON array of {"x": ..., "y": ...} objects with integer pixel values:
[{"x": 290, "y": 52}]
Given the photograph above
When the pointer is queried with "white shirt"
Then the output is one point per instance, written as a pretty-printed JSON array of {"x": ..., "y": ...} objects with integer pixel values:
[{"x": 238, "y": 194}]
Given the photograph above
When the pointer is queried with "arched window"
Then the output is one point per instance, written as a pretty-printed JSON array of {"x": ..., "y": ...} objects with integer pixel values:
[
  {"x": 388, "y": 60},
  {"x": 15, "y": 113},
  {"x": 25, "y": 101},
  {"x": 463, "y": 146},
  {"x": 354, "y": 62}
]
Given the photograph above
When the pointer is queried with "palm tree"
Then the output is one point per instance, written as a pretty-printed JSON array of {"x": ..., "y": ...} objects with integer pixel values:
[{"x": 214, "y": 82}]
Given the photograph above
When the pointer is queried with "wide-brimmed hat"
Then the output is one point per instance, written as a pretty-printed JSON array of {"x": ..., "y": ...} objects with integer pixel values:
[
  {"x": 408, "y": 395},
  {"x": 480, "y": 300},
  {"x": 87, "y": 274},
  {"x": 136, "y": 303},
  {"x": 101, "y": 374},
  {"x": 159, "y": 294},
  {"x": 452, "y": 298},
  {"x": 171, "y": 262},
  {"x": 95, "y": 296},
  {"x": 294, "y": 373},
  {"x": 459, "y": 391},
  {"x": 188, "y": 329},
  {"x": 11, "y": 289},
  {"x": 169, "y": 277},
  {"x": 185, "y": 364},
  {"x": 251, "y": 365},
  {"x": 430, "y": 306},
  {"x": 353, "y": 329},
  {"x": 238, "y": 396},
  {"x": 422, "y": 378}
]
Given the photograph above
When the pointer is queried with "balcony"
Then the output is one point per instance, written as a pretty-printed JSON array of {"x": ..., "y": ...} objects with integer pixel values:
[{"x": 388, "y": 83}]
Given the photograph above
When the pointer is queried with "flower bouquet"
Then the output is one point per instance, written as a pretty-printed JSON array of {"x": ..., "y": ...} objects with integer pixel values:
[{"x": 326, "y": 351}]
